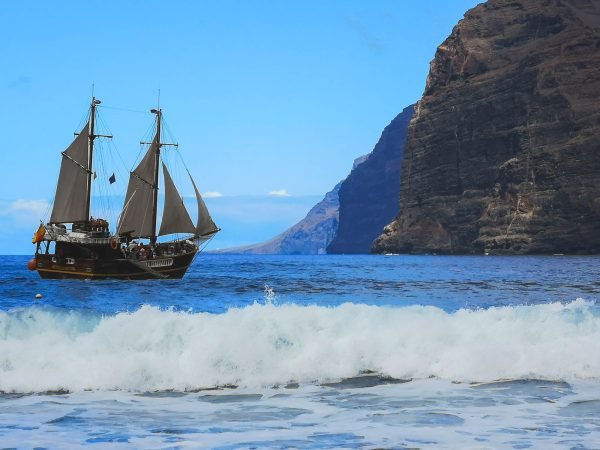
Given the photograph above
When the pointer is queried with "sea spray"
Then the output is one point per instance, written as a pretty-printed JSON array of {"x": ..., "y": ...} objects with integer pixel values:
[
  {"x": 269, "y": 295},
  {"x": 268, "y": 344}
]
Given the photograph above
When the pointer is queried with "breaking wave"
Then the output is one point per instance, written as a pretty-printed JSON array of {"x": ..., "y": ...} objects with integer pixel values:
[{"x": 266, "y": 345}]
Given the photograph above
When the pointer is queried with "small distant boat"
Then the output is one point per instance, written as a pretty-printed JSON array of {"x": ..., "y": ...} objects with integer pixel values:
[{"x": 73, "y": 244}]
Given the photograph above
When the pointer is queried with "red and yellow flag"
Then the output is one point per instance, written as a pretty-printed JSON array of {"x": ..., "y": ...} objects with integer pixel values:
[{"x": 38, "y": 236}]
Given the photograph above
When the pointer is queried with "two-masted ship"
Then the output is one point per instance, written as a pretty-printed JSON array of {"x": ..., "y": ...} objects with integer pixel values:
[{"x": 73, "y": 244}]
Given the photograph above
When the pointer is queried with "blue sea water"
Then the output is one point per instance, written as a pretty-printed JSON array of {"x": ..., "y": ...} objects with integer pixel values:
[{"x": 306, "y": 352}]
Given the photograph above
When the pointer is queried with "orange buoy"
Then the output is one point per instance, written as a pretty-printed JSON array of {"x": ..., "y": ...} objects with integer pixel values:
[{"x": 32, "y": 264}]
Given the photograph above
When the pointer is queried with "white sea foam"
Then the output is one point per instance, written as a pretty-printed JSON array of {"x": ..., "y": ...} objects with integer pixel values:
[{"x": 264, "y": 345}]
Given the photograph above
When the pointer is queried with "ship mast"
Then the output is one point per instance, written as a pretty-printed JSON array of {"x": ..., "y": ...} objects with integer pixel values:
[
  {"x": 92, "y": 136},
  {"x": 159, "y": 144},
  {"x": 158, "y": 113}
]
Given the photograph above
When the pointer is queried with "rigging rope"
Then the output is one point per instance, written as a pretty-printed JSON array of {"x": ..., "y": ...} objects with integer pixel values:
[{"x": 125, "y": 109}]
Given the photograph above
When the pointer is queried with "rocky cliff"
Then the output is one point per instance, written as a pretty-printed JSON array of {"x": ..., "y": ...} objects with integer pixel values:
[
  {"x": 503, "y": 154},
  {"x": 369, "y": 195}
]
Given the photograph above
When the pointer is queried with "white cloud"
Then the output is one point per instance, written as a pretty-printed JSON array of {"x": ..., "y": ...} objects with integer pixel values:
[
  {"x": 34, "y": 208},
  {"x": 23, "y": 214},
  {"x": 212, "y": 194},
  {"x": 279, "y": 193}
]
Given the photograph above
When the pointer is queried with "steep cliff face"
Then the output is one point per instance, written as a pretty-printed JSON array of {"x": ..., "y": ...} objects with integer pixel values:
[
  {"x": 310, "y": 236},
  {"x": 369, "y": 196},
  {"x": 503, "y": 154}
]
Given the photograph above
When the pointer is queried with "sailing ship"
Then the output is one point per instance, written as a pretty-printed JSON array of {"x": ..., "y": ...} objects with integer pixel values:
[{"x": 73, "y": 244}]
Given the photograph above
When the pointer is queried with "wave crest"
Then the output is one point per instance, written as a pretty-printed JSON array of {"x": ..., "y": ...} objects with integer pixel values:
[{"x": 265, "y": 345}]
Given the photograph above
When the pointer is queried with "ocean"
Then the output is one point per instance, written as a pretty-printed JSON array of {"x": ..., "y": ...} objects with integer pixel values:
[{"x": 306, "y": 352}]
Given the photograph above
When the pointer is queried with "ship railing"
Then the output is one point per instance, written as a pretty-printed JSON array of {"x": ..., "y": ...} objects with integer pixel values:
[{"x": 81, "y": 239}]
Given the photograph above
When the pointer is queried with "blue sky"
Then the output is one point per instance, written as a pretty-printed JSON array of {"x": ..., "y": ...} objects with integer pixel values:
[{"x": 264, "y": 97}]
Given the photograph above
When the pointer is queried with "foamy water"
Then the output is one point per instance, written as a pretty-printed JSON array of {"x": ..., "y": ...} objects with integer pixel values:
[
  {"x": 302, "y": 352},
  {"x": 420, "y": 414},
  {"x": 264, "y": 345}
]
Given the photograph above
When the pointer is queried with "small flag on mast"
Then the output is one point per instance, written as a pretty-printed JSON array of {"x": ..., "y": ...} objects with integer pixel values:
[{"x": 112, "y": 179}]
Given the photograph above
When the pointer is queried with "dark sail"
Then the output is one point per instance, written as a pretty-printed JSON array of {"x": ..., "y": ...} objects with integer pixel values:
[
  {"x": 205, "y": 226},
  {"x": 175, "y": 217},
  {"x": 72, "y": 187},
  {"x": 136, "y": 216}
]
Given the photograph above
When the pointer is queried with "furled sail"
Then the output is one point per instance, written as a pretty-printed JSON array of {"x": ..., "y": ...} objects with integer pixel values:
[
  {"x": 175, "y": 217},
  {"x": 136, "y": 216},
  {"x": 205, "y": 227},
  {"x": 72, "y": 188}
]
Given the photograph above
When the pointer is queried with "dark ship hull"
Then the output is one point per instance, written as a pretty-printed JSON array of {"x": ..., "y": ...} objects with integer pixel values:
[{"x": 102, "y": 262}]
